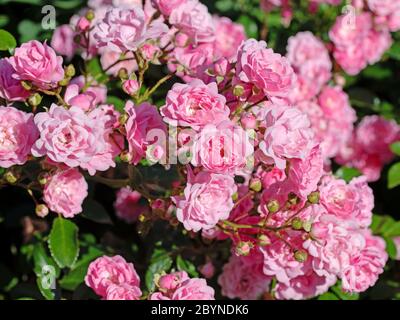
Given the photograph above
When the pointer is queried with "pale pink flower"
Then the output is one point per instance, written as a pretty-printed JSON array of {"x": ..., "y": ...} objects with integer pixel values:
[
  {"x": 366, "y": 265},
  {"x": 195, "y": 104},
  {"x": 126, "y": 29},
  {"x": 268, "y": 71},
  {"x": 109, "y": 58},
  {"x": 65, "y": 191},
  {"x": 396, "y": 241},
  {"x": 85, "y": 100},
  {"x": 123, "y": 292},
  {"x": 73, "y": 137},
  {"x": 108, "y": 271},
  {"x": 10, "y": 88},
  {"x": 167, "y": 6},
  {"x": 99, "y": 90},
  {"x": 130, "y": 86},
  {"x": 37, "y": 63},
  {"x": 304, "y": 287},
  {"x": 228, "y": 37},
  {"x": 17, "y": 135},
  {"x": 207, "y": 199},
  {"x": 287, "y": 136},
  {"x": 144, "y": 119},
  {"x": 128, "y": 205},
  {"x": 222, "y": 148},
  {"x": 63, "y": 41},
  {"x": 387, "y": 11},
  {"x": 193, "y": 19}
]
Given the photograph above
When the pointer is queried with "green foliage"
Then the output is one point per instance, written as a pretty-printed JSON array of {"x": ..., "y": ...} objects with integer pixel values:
[
  {"x": 160, "y": 262},
  {"x": 395, "y": 147},
  {"x": 7, "y": 41},
  {"x": 347, "y": 174},
  {"x": 94, "y": 211},
  {"x": 63, "y": 242},
  {"x": 185, "y": 265},
  {"x": 394, "y": 176}
]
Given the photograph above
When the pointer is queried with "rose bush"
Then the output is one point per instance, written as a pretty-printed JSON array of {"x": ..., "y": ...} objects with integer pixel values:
[{"x": 161, "y": 150}]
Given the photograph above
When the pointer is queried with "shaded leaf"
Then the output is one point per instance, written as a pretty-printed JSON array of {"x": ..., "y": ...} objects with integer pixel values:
[
  {"x": 94, "y": 211},
  {"x": 7, "y": 41},
  {"x": 185, "y": 265},
  {"x": 394, "y": 176}
]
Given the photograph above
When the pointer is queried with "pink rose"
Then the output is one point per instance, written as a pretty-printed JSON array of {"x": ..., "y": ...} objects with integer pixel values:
[
  {"x": 351, "y": 202},
  {"x": 37, "y": 63},
  {"x": 195, "y": 105},
  {"x": 178, "y": 286},
  {"x": 388, "y": 13},
  {"x": 268, "y": 71},
  {"x": 228, "y": 37},
  {"x": 243, "y": 278},
  {"x": 288, "y": 135},
  {"x": 126, "y": 29},
  {"x": 167, "y": 6},
  {"x": 207, "y": 199},
  {"x": 207, "y": 270},
  {"x": 128, "y": 206},
  {"x": 123, "y": 292},
  {"x": 365, "y": 266},
  {"x": 105, "y": 273},
  {"x": 193, "y": 19},
  {"x": 85, "y": 100},
  {"x": 74, "y": 138},
  {"x": 10, "y": 88},
  {"x": 65, "y": 191},
  {"x": 17, "y": 135},
  {"x": 222, "y": 148},
  {"x": 304, "y": 287},
  {"x": 144, "y": 120},
  {"x": 63, "y": 41}
]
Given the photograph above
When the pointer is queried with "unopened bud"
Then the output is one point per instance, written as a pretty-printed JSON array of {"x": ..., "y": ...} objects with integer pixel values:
[
  {"x": 10, "y": 177},
  {"x": 293, "y": 199},
  {"x": 264, "y": 240},
  {"x": 83, "y": 24},
  {"x": 235, "y": 196},
  {"x": 300, "y": 255},
  {"x": 125, "y": 156},
  {"x": 123, "y": 74},
  {"x": 307, "y": 225},
  {"x": 35, "y": 99},
  {"x": 142, "y": 218},
  {"x": 64, "y": 82},
  {"x": 42, "y": 178},
  {"x": 256, "y": 185},
  {"x": 123, "y": 118},
  {"x": 130, "y": 87},
  {"x": 313, "y": 197},
  {"x": 273, "y": 206},
  {"x": 219, "y": 79},
  {"x": 26, "y": 85},
  {"x": 42, "y": 210},
  {"x": 297, "y": 224},
  {"x": 243, "y": 248},
  {"x": 70, "y": 71},
  {"x": 90, "y": 15},
  {"x": 238, "y": 90}
]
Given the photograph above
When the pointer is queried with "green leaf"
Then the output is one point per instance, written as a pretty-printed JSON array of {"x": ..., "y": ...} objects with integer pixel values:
[
  {"x": 377, "y": 72},
  {"x": 28, "y": 30},
  {"x": 159, "y": 262},
  {"x": 185, "y": 265},
  {"x": 347, "y": 174},
  {"x": 394, "y": 176},
  {"x": 67, "y": 4},
  {"x": 224, "y": 5},
  {"x": 376, "y": 223},
  {"x": 78, "y": 271},
  {"x": 391, "y": 248},
  {"x": 7, "y": 41},
  {"x": 31, "y": 2},
  {"x": 395, "y": 147},
  {"x": 63, "y": 242},
  {"x": 46, "y": 292},
  {"x": 394, "y": 51},
  {"x": 328, "y": 296},
  {"x": 344, "y": 295},
  {"x": 94, "y": 211},
  {"x": 41, "y": 259},
  {"x": 96, "y": 71},
  {"x": 117, "y": 102},
  {"x": 393, "y": 230},
  {"x": 3, "y": 20},
  {"x": 250, "y": 26}
]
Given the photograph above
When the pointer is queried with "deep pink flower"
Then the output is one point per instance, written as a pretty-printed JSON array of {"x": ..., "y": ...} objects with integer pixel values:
[
  {"x": 63, "y": 41},
  {"x": 128, "y": 206},
  {"x": 228, "y": 37},
  {"x": 123, "y": 292},
  {"x": 10, "y": 88}
]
